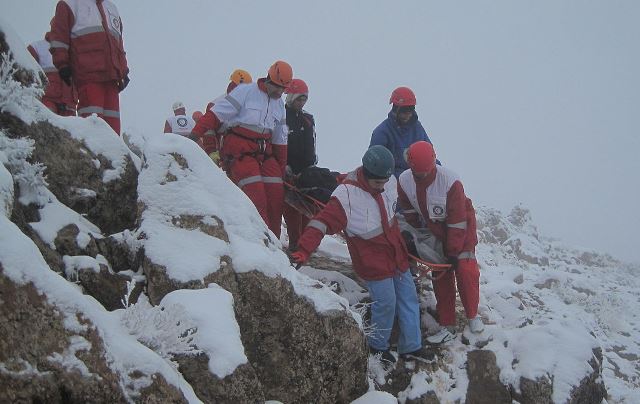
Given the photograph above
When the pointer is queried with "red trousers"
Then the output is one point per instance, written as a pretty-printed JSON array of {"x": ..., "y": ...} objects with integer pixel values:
[
  {"x": 467, "y": 276},
  {"x": 102, "y": 99},
  {"x": 296, "y": 222},
  {"x": 259, "y": 177}
]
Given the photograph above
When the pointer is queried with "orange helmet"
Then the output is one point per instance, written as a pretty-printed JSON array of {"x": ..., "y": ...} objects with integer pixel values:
[
  {"x": 403, "y": 97},
  {"x": 240, "y": 76},
  {"x": 281, "y": 73},
  {"x": 421, "y": 157}
]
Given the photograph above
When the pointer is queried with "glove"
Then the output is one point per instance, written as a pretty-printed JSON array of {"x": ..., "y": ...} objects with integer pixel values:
[
  {"x": 299, "y": 258},
  {"x": 65, "y": 74},
  {"x": 124, "y": 83},
  {"x": 453, "y": 261},
  {"x": 215, "y": 156}
]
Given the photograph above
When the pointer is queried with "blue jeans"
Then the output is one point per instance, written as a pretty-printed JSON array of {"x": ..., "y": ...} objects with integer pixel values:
[{"x": 391, "y": 297}]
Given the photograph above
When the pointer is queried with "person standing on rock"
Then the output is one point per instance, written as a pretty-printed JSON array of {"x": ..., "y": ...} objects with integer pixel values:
[
  {"x": 301, "y": 151},
  {"x": 179, "y": 123},
  {"x": 363, "y": 206},
  {"x": 433, "y": 196},
  {"x": 252, "y": 123},
  {"x": 401, "y": 128},
  {"x": 88, "y": 51}
]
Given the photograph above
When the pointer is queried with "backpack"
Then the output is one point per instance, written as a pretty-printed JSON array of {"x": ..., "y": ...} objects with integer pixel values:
[{"x": 317, "y": 182}]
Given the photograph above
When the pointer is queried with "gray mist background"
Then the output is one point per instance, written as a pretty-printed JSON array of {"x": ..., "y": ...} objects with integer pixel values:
[{"x": 530, "y": 102}]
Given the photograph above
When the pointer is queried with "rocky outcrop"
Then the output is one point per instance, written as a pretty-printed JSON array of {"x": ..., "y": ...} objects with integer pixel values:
[
  {"x": 299, "y": 355},
  {"x": 75, "y": 175},
  {"x": 43, "y": 361},
  {"x": 243, "y": 386},
  {"x": 484, "y": 379}
]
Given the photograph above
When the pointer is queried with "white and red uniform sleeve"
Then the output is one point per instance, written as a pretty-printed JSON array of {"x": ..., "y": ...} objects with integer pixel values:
[
  {"x": 330, "y": 220},
  {"x": 456, "y": 221}
]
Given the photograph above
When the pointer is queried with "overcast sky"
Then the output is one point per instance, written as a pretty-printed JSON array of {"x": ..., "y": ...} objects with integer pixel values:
[{"x": 530, "y": 102}]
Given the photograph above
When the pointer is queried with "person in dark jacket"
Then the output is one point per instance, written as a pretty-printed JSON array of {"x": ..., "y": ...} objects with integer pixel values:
[
  {"x": 401, "y": 129},
  {"x": 301, "y": 154}
]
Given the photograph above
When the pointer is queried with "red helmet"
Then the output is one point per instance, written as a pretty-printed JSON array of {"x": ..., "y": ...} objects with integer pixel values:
[
  {"x": 421, "y": 157},
  {"x": 403, "y": 97},
  {"x": 281, "y": 73},
  {"x": 297, "y": 86}
]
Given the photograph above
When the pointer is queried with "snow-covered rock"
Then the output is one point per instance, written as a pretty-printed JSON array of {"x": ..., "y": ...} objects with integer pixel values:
[{"x": 225, "y": 317}]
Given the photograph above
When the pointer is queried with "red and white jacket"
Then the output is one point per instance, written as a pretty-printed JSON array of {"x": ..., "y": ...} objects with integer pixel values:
[
  {"x": 87, "y": 36},
  {"x": 179, "y": 124},
  {"x": 56, "y": 91},
  {"x": 368, "y": 219},
  {"x": 439, "y": 202},
  {"x": 248, "y": 111}
]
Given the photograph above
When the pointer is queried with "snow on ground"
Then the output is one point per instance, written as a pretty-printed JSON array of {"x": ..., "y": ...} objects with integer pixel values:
[
  {"x": 542, "y": 320},
  {"x": 545, "y": 305},
  {"x": 218, "y": 332},
  {"x": 23, "y": 264},
  {"x": 178, "y": 179}
]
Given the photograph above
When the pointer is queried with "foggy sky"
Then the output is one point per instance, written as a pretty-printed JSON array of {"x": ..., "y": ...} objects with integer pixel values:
[{"x": 530, "y": 102}]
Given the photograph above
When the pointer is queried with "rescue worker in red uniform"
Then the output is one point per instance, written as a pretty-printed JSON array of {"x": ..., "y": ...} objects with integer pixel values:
[
  {"x": 433, "y": 196},
  {"x": 87, "y": 48},
  {"x": 301, "y": 151},
  {"x": 210, "y": 140},
  {"x": 251, "y": 119},
  {"x": 58, "y": 97},
  {"x": 179, "y": 123},
  {"x": 363, "y": 206}
]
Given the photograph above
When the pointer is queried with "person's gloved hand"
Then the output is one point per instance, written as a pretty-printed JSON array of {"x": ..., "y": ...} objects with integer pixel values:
[
  {"x": 299, "y": 258},
  {"x": 124, "y": 83},
  {"x": 453, "y": 261},
  {"x": 65, "y": 74},
  {"x": 289, "y": 176},
  {"x": 215, "y": 156}
]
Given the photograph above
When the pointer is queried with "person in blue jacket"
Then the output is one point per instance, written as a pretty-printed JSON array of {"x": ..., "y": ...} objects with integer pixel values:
[{"x": 401, "y": 129}]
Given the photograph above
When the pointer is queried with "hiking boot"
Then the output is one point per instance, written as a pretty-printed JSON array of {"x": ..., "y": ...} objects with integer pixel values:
[
  {"x": 445, "y": 334},
  {"x": 476, "y": 325},
  {"x": 385, "y": 356},
  {"x": 421, "y": 354}
]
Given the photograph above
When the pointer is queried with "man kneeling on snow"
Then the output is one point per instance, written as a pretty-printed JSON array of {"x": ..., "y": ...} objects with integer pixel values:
[{"x": 432, "y": 196}]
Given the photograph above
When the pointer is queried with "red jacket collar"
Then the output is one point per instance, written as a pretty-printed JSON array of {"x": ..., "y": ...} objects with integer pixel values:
[{"x": 364, "y": 184}]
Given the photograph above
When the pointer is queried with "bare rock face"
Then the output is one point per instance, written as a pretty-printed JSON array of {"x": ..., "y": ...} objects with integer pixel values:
[
  {"x": 534, "y": 391},
  {"x": 74, "y": 179},
  {"x": 298, "y": 354},
  {"x": 242, "y": 386},
  {"x": 484, "y": 379},
  {"x": 107, "y": 287},
  {"x": 35, "y": 347},
  {"x": 591, "y": 389}
]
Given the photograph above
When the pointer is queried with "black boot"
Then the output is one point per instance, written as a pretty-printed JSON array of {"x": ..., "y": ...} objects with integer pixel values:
[
  {"x": 422, "y": 354},
  {"x": 385, "y": 356}
]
